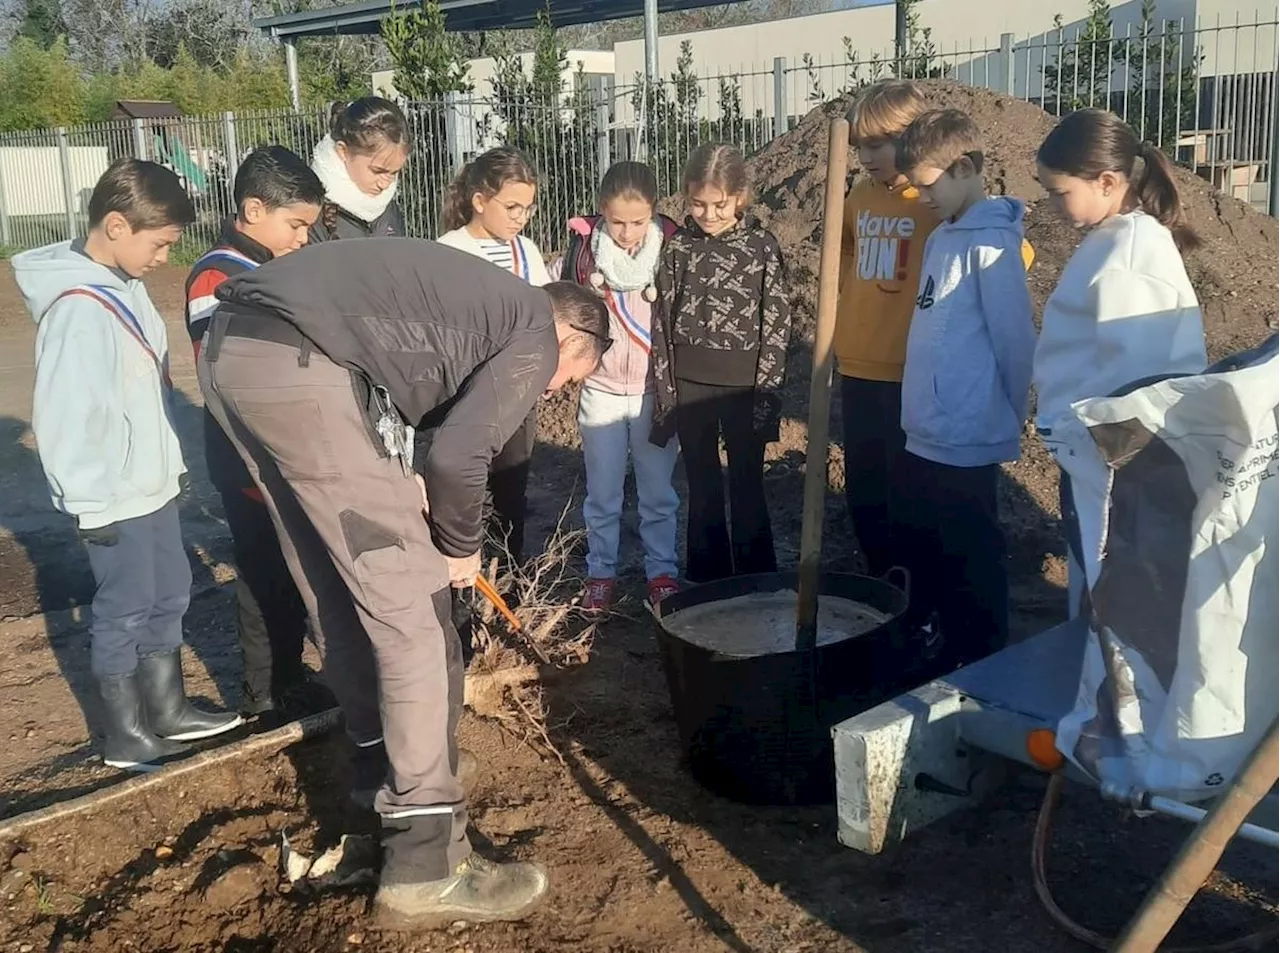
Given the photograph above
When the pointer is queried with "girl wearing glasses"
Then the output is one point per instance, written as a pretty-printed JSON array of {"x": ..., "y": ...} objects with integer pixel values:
[
  {"x": 721, "y": 327},
  {"x": 485, "y": 209},
  {"x": 616, "y": 254}
]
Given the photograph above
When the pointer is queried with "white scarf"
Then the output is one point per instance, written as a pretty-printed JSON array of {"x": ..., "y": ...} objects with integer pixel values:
[
  {"x": 623, "y": 270},
  {"x": 343, "y": 192}
]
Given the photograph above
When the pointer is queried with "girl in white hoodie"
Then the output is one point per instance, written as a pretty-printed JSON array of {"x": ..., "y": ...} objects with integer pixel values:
[
  {"x": 1124, "y": 308},
  {"x": 486, "y": 208}
]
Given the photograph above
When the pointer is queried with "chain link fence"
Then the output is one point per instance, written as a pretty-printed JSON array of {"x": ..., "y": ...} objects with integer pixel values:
[{"x": 1207, "y": 96}]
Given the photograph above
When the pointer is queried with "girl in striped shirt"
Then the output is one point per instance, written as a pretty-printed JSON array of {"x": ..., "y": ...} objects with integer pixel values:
[{"x": 486, "y": 208}]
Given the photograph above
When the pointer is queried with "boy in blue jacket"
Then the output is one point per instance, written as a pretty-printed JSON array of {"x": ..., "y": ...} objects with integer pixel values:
[
  {"x": 965, "y": 389},
  {"x": 110, "y": 454}
]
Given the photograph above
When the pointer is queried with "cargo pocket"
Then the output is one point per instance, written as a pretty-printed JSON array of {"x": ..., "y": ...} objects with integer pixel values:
[{"x": 380, "y": 563}]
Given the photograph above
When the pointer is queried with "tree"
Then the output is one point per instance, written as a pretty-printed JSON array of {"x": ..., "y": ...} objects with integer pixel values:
[
  {"x": 1161, "y": 98},
  {"x": 430, "y": 62},
  {"x": 41, "y": 22},
  {"x": 39, "y": 88},
  {"x": 918, "y": 58},
  {"x": 1080, "y": 75},
  {"x": 213, "y": 31},
  {"x": 669, "y": 115}
]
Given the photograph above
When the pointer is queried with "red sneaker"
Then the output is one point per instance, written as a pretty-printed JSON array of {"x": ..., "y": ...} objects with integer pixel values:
[
  {"x": 598, "y": 595},
  {"x": 661, "y": 587}
]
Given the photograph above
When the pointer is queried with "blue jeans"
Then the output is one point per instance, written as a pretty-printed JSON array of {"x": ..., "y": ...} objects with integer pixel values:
[
  {"x": 613, "y": 428},
  {"x": 144, "y": 587}
]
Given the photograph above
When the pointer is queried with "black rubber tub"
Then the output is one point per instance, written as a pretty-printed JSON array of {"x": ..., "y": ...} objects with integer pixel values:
[{"x": 758, "y": 730}]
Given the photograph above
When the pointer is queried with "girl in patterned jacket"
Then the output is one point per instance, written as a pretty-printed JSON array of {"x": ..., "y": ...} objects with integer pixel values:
[
  {"x": 616, "y": 254},
  {"x": 720, "y": 335}
]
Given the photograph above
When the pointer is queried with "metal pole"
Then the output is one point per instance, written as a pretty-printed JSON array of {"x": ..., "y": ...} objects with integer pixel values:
[
  {"x": 231, "y": 147},
  {"x": 1006, "y": 57},
  {"x": 68, "y": 192},
  {"x": 780, "y": 116},
  {"x": 291, "y": 67},
  {"x": 604, "y": 156},
  {"x": 1273, "y": 187},
  {"x": 1200, "y": 854},
  {"x": 899, "y": 35},
  {"x": 651, "y": 40}
]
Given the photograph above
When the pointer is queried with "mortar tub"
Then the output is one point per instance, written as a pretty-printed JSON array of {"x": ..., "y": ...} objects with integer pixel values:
[{"x": 758, "y": 730}]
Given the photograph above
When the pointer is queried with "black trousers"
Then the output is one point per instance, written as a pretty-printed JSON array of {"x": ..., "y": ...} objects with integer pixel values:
[
  {"x": 951, "y": 541},
  {"x": 871, "y": 412},
  {"x": 718, "y": 547},
  {"x": 271, "y": 619},
  {"x": 509, "y": 487}
]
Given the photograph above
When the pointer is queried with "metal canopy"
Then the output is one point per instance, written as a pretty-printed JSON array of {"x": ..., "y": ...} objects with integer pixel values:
[{"x": 357, "y": 19}]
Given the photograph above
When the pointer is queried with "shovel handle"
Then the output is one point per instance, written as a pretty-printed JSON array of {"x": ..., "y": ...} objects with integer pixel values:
[{"x": 486, "y": 589}]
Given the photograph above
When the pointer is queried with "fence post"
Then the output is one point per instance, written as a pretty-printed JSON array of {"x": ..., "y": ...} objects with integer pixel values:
[
  {"x": 232, "y": 148},
  {"x": 1274, "y": 172},
  {"x": 139, "y": 140},
  {"x": 68, "y": 192},
  {"x": 1006, "y": 61},
  {"x": 452, "y": 130},
  {"x": 604, "y": 153},
  {"x": 780, "y": 116},
  {"x": 6, "y": 236}
]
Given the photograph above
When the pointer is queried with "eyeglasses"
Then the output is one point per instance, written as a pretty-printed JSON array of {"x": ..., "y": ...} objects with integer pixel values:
[
  {"x": 606, "y": 342},
  {"x": 516, "y": 212}
]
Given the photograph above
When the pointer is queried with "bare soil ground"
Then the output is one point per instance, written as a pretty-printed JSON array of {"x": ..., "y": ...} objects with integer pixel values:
[{"x": 642, "y": 859}]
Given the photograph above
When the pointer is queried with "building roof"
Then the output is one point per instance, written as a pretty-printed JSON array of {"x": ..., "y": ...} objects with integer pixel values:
[
  {"x": 145, "y": 109},
  {"x": 460, "y": 15}
]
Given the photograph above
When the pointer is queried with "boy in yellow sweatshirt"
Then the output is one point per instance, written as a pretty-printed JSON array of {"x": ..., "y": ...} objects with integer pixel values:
[{"x": 885, "y": 227}]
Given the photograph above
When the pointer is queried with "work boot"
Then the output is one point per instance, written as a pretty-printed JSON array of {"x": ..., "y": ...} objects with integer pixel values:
[
  {"x": 370, "y": 767},
  {"x": 130, "y": 743},
  {"x": 169, "y": 713},
  {"x": 255, "y": 693},
  {"x": 478, "y": 891}
]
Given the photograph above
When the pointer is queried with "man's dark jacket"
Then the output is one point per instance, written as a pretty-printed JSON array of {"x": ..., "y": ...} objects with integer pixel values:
[{"x": 435, "y": 327}]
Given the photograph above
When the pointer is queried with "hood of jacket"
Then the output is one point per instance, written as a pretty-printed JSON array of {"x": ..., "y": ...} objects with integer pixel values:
[
  {"x": 44, "y": 273},
  {"x": 998, "y": 211}
]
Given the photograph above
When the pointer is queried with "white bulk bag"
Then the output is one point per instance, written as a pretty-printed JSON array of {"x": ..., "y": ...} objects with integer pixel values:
[{"x": 1175, "y": 488}]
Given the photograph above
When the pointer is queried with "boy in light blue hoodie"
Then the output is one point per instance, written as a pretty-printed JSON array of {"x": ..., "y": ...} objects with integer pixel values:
[
  {"x": 110, "y": 454},
  {"x": 965, "y": 390}
]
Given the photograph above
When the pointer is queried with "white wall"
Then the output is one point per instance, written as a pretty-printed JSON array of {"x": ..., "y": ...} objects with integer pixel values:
[{"x": 32, "y": 178}]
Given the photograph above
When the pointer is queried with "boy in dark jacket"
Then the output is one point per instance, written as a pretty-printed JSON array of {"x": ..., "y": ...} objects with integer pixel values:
[{"x": 278, "y": 198}]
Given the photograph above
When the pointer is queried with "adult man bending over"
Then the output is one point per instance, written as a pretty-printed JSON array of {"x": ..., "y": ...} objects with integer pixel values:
[{"x": 313, "y": 364}]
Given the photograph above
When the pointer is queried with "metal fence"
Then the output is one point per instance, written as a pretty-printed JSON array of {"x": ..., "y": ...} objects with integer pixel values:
[{"x": 1205, "y": 95}]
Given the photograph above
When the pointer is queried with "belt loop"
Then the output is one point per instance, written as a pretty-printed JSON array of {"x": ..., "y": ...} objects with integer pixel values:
[
  {"x": 217, "y": 331},
  {"x": 304, "y": 352}
]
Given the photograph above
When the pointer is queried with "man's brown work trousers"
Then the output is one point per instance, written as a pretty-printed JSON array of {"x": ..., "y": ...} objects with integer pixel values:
[{"x": 352, "y": 530}]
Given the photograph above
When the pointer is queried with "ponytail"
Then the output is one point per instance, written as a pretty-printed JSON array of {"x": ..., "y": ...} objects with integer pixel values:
[
  {"x": 1090, "y": 142},
  {"x": 1157, "y": 195},
  {"x": 487, "y": 173}
]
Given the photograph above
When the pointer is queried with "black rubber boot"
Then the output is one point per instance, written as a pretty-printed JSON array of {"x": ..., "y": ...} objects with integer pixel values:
[
  {"x": 478, "y": 891},
  {"x": 170, "y": 714},
  {"x": 130, "y": 743}
]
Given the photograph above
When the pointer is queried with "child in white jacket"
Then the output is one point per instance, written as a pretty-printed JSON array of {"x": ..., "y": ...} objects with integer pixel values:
[
  {"x": 486, "y": 209},
  {"x": 964, "y": 391},
  {"x": 1124, "y": 309}
]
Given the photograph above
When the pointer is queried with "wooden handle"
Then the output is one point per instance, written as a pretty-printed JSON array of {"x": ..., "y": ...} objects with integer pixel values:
[
  {"x": 815, "y": 471},
  {"x": 490, "y": 593}
]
